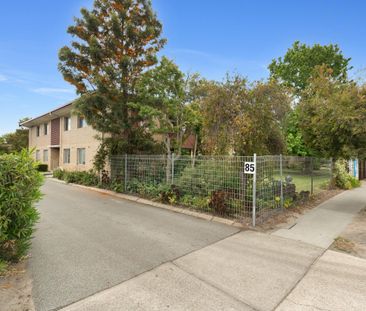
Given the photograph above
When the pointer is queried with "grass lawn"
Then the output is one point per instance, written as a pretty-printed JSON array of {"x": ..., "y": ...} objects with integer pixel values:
[{"x": 303, "y": 182}]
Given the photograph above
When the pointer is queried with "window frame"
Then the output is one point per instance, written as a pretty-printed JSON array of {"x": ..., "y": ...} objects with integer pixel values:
[
  {"x": 67, "y": 124},
  {"x": 45, "y": 129},
  {"x": 79, "y": 158},
  {"x": 69, "y": 156},
  {"x": 38, "y": 155},
  {"x": 45, "y": 151},
  {"x": 38, "y": 130},
  {"x": 81, "y": 122}
]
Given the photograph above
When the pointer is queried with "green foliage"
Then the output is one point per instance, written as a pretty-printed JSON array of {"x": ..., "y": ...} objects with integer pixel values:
[
  {"x": 20, "y": 184},
  {"x": 297, "y": 66},
  {"x": 115, "y": 42},
  {"x": 3, "y": 266},
  {"x": 199, "y": 202},
  {"x": 165, "y": 92},
  {"x": 294, "y": 138},
  {"x": 343, "y": 179},
  {"x": 83, "y": 178},
  {"x": 42, "y": 167},
  {"x": 243, "y": 119},
  {"x": 117, "y": 186},
  {"x": 59, "y": 174},
  {"x": 162, "y": 192},
  {"x": 333, "y": 117},
  {"x": 207, "y": 176},
  {"x": 14, "y": 142},
  {"x": 89, "y": 178}
]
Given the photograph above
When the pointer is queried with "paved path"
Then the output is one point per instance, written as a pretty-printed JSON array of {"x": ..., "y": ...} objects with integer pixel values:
[
  {"x": 87, "y": 242},
  {"x": 326, "y": 222},
  {"x": 167, "y": 261}
]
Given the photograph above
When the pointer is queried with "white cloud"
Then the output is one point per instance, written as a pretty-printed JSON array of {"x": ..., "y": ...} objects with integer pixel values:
[
  {"x": 49, "y": 90},
  {"x": 3, "y": 78}
]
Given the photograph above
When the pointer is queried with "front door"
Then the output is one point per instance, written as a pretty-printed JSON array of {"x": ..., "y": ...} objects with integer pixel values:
[{"x": 55, "y": 158}]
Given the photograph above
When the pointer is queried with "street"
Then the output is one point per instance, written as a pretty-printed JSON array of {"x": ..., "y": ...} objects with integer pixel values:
[
  {"x": 87, "y": 242},
  {"x": 96, "y": 252}
]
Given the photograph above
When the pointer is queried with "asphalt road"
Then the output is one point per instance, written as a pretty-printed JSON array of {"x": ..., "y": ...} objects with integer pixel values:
[{"x": 87, "y": 242}]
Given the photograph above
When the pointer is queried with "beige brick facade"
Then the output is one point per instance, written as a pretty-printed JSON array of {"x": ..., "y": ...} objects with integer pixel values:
[
  {"x": 62, "y": 143},
  {"x": 70, "y": 141}
]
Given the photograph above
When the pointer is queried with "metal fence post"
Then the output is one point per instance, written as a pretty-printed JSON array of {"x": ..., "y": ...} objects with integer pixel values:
[
  {"x": 173, "y": 156},
  {"x": 281, "y": 176},
  {"x": 254, "y": 189},
  {"x": 126, "y": 172},
  {"x": 312, "y": 175}
]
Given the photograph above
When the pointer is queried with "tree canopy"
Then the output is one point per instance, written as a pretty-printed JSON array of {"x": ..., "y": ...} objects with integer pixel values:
[
  {"x": 333, "y": 116},
  {"x": 166, "y": 94},
  {"x": 14, "y": 142},
  {"x": 243, "y": 119},
  {"x": 114, "y": 43},
  {"x": 297, "y": 66}
]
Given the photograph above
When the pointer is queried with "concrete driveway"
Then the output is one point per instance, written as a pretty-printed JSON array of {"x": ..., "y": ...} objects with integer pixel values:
[{"x": 87, "y": 242}]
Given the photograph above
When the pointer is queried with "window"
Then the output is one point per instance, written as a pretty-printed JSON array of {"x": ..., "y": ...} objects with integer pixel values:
[
  {"x": 81, "y": 122},
  {"x": 67, "y": 123},
  {"x": 38, "y": 131},
  {"x": 45, "y": 156},
  {"x": 38, "y": 155},
  {"x": 81, "y": 156},
  {"x": 45, "y": 129},
  {"x": 67, "y": 156}
]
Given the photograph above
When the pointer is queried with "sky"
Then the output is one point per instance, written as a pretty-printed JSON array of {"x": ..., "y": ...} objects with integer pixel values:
[{"x": 212, "y": 37}]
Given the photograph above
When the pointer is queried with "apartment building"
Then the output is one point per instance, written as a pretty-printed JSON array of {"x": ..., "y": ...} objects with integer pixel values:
[{"x": 62, "y": 139}]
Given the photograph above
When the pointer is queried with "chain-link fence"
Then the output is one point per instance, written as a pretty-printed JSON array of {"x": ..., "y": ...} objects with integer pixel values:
[{"x": 221, "y": 185}]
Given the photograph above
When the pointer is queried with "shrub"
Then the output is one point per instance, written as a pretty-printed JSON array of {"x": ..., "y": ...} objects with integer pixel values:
[
  {"x": 195, "y": 201},
  {"x": 42, "y": 167},
  {"x": 343, "y": 179},
  {"x": 20, "y": 184},
  {"x": 218, "y": 202},
  {"x": 59, "y": 174},
  {"x": 3, "y": 266},
  {"x": 169, "y": 194},
  {"x": 82, "y": 178},
  {"x": 208, "y": 176}
]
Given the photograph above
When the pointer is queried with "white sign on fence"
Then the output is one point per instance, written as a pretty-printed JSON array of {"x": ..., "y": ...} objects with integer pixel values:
[{"x": 249, "y": 168}]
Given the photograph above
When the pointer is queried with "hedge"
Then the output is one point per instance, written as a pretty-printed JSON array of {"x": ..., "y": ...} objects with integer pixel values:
[{"x": 20, "y": 184}]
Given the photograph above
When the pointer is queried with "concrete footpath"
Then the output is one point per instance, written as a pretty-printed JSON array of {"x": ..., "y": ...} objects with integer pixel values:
[
  {"x": 323, "y": 224},
  {"x": 255, "y": 271}
]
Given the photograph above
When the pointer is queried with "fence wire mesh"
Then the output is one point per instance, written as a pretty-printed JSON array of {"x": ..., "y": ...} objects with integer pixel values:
[{"x": 218, "y": 185}]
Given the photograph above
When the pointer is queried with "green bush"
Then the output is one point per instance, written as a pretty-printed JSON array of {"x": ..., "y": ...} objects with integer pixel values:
[
  {"x": 89, "y": 178},
  {"x": 82, "y": 178},
  {"x": 208, "y": 176},
  {"x": 20, "y": 184},
  {"x": 343, "y": 179},
  {"x": 196, "y": 201},
  {"x": 3, "y": 266},
  {"x": 163, "y": 192},
  {"x": 59, "y": 174},
  {"x": 42, "y": 167}
]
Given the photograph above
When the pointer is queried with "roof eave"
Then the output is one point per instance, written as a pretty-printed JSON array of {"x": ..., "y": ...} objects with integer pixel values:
[{"x": 56, "y": 113}]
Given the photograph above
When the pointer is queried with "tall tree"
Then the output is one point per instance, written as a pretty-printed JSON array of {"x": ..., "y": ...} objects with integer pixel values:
[
  {"x": 294, "y": 137},
  {"x": 114, "y": 43},
  {"x": 16, "y": 141},
  {"x": 220, "y": 104},
  {"x": 333, "y": 116},
  {"x": 260, "y": 123},
  {"x": 166, "y": 94},
  {"x": 297, "y": 66},
  {"x": 244, "y": 119}
]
